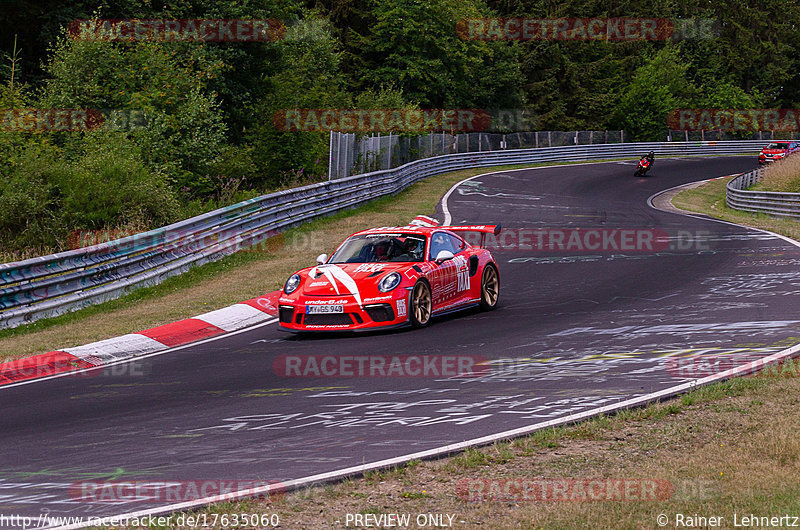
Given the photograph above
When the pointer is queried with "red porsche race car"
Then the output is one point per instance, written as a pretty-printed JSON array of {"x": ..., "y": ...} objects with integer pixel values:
[{"x": 392, "y": 277}]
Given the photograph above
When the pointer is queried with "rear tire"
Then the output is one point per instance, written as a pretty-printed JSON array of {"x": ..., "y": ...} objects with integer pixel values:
[
  {"x": 490, "y": 288},
  {"x": 421, "y": 305}
]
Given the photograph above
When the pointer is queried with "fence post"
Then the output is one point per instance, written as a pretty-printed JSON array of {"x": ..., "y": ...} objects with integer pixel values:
[
  {"x": 342, "y": 171},
  {"x": 330, "y": 158},
  {"x": 390, "y": 150},
  {"x": 350, "y": 155},
  {"x": 549, "y": 140}
]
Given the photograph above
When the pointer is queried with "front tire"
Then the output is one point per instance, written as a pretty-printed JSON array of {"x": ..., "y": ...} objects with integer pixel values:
[
  {"x": 490, "y": 288},
  {"x": 421, "y": 305}
]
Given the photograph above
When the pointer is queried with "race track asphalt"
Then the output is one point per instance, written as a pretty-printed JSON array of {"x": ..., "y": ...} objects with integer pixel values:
[{"x": 576, "y": 329}]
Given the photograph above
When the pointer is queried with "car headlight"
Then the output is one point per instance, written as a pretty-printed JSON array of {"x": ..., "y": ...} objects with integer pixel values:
[
  {"x": 292, "y": 284},
  {"x": 389, "y": 282}
]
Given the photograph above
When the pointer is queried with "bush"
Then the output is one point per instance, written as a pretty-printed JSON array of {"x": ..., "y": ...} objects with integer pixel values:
[
  {"x": 184, "y": 132},
  {"x": 43, "y": 196},
  {"x": 29, "y": 201},
  {"x": 110, "y": 186}
]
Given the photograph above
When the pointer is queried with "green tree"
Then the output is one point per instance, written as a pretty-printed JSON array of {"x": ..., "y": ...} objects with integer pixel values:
[
  {"x": 308, "y": 76},
  {"x": 657, "y": 88},
  {"x": 414, "y": 45},
  {"x": 185, "y": 131}
]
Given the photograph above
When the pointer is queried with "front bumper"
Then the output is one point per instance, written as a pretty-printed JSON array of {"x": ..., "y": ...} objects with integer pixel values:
[{"x": 386, "y": 311}]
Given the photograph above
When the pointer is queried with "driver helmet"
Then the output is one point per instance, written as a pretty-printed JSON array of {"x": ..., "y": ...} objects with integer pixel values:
[
  {"x": 382, "y": 250},
  {"x": 414, "y": 247}
]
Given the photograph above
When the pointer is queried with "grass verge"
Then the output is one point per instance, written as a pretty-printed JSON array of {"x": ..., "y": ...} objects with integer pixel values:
[
  {"x": 709, "y": 199},
  {"x": 730, "y": 450},
  {"x": 781, "y": 176}
]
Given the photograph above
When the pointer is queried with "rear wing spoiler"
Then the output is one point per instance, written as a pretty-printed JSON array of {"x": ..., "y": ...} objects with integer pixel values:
[
  {"x": 485, "y": 229},
  {"x": 475, "y": 235}
]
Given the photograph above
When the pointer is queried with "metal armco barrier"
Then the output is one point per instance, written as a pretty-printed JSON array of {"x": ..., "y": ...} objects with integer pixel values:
[
  {"x": 738, "y": 197},
  {"x": 51, "y": 285}
]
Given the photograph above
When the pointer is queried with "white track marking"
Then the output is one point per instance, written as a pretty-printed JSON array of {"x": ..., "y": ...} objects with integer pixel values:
[
  {"x": 446, "y": 211},
  {"x": 116, "y": 348},
  {"x": 233, "y": 317}
]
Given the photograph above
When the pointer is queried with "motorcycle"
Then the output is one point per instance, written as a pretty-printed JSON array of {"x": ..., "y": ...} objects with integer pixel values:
[{"x": 643, "y": 167}]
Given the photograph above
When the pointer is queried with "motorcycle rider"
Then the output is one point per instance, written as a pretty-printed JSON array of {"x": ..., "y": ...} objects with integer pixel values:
[{"x": 649, "y": 157}]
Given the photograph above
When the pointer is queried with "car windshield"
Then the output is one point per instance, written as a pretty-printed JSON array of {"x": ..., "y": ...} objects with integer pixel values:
[
  {"x": 778, "y": 146},
  {"x": 371, "y": 248}
]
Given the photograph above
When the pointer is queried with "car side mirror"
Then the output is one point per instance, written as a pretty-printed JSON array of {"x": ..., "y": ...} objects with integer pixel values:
[
  {"x": 321, "y": 259},
  {"x": 444, "y": 255}
]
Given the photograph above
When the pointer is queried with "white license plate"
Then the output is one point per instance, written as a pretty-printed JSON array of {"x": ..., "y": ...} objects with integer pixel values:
[{"x": 324, "y": 309}]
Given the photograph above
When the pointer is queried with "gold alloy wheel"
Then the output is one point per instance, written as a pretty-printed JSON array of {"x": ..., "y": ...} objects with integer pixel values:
[
  {"x": 490, "y": 286},
  {"x": 421, "y": 302}
]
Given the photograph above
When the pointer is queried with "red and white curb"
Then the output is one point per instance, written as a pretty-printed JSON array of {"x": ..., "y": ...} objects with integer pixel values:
[{"x": 96, "y": 354}]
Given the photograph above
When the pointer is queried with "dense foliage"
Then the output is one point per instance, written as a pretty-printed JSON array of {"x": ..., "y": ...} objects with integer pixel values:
[{"x": 209, "y": 137}]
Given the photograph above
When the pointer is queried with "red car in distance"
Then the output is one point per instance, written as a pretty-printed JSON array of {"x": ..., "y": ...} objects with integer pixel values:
[
  {"x": 777, "y": 151},
  {"x": 392, "y": 277}
]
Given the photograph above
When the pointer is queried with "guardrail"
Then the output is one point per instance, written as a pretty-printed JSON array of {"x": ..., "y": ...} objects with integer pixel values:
[
  {"x": 777, "y": 203},
  {"x": 51, "y": 285}
]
